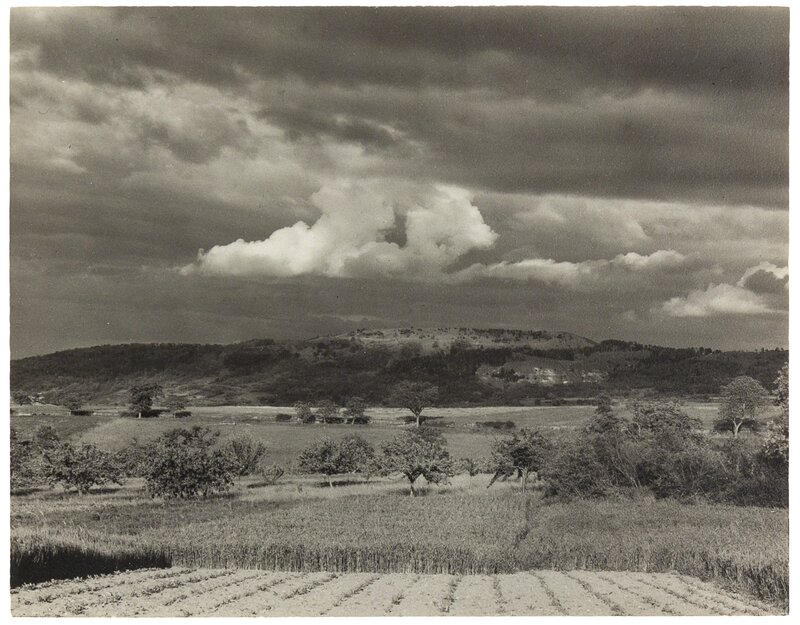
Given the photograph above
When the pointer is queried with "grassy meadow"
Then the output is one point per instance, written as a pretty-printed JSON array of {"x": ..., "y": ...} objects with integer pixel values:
[
  {"x": 301, "y": 525},
  {"x": 285, "y": 441}
]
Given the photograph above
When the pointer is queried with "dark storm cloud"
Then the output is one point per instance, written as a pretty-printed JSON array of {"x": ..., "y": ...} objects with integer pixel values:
[
  {"x": 509, "y": 99},
  {"x": 738, "y": 48},
  {"x": 582, "y": 142},
  {"x": 766, "y": 282},
  {"x": 299, "y": 123}
]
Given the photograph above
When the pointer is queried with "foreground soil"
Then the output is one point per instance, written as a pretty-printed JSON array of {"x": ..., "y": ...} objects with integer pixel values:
[{"x": 239, "y": 592}]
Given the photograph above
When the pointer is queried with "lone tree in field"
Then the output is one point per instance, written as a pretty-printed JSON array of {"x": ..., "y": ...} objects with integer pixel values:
[
  {"x": 741, "y": 401},
  {"x": 142, "y": 397},
  {"x": 418, "y": 453},
  {"x": 331, "y": 457},
  {"x": 416, "y": 396},
  {"x": 524, "y": 452}
]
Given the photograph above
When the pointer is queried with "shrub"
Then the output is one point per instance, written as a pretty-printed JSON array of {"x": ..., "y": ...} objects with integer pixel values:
[
  {"x": 283, "y": 417},
  {"x": 81, "y": 412},
  {"x": 81, "y": 468},
  {"x": 304, "y": 413},
  {"x": 183, "y": 465},
  {"x": 182, "y": 414},
  {"x": 247, "y": 453},
  {"x": 497, "y": 425},
  {"x": 270, "y": 473},
  {"x": 133, "y": 459}
]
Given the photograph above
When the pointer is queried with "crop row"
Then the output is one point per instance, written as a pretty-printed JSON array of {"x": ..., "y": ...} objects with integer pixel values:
[{"x": 258, "y": 593}]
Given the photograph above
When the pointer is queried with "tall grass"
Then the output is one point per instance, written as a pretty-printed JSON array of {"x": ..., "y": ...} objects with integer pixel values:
[{"x": 459, "y": 531}]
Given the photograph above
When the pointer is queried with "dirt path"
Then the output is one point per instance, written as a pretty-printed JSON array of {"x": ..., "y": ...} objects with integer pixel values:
[{"x": 205, "y": 592}]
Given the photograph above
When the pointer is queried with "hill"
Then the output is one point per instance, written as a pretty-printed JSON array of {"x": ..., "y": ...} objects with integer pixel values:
[{"x": 469, "y": 366}]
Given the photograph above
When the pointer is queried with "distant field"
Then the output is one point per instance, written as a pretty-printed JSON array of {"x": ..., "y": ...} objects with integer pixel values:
[
  {"x": 232, "y": 593},
  {"x": 286, "y": 440}
]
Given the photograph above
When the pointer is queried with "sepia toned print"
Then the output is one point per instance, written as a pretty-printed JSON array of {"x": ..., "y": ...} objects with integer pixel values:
[{"x": 430, "y": 311}]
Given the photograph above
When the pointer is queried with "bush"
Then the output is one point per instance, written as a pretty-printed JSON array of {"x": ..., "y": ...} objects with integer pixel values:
[
  {"x": 497, "y": 425},
  {"x": 283, "y": 417},
  {"x": 81, "y": 412},
  {"x": 183, "y": 465},
  {"x": 182, "y": 414},
  {"x": 82, "y": 467},
  {"x": 270, "y": 473},
  {"x": 247, "y": 453},
  {"x": 133, "y": 459}
]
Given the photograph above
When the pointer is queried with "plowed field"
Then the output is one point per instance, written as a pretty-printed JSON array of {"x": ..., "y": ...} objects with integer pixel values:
[{"x": 238, "y": 592}]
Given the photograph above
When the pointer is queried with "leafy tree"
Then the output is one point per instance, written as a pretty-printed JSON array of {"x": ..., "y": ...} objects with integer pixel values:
[
  {"x": 775, "y": 450},
  {"x": 524, "y": 452},
  {"x": 175, "y": 403},
  {"x": 142, "y": 397},
  {"x": 331, "y": 457},
  {"x": 354, "y": 410},
  {"x": 184, "y": 465},
  {"x": 247, "y": 453},
  {"x": 81, "y": 467},
  {"x": 741, "y": 400},
  {"x": 416, "y": 396},
  {"x": 468, "y": 466},
  {"x": 72, "y": 402},
  {"x": 418, "y": 453},
  {"x": 303, "y": 411},
  {"x": 327, "y": 411},
  {"x": 134, "y": 458}
]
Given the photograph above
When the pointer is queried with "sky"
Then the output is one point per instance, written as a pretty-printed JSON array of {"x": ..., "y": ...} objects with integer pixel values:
[{"x": 215, "y": 175}]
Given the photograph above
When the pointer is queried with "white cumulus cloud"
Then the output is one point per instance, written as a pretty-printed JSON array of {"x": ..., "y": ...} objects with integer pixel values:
[
  {"x": 716, "y": 299},
  {"x": 349, "y": 238}
]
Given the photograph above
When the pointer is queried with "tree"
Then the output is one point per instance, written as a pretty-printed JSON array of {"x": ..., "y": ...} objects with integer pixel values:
[
  {"x": 775, "y": 450},
  {"x": 21, "y": 398},
  {"x": 416, "y": 396},
  {"x": 142, "y": 397},
  {"x": 524, "y": 452},
  {"x": 741, "y": 400},
  {"x": 327, "y": 411},
  {"x": 418, "y": 453},
  {"x": 81, "y": 467},
  {"x": 354, "y": 409},
  {"x": 247, "y": 453},
  {"x": 331, "y": 457},
  {"x": 303, "y": 411},
  {"x": 175, "y": 404},
  {"x": 72, "y": 403},
  {"x": 184, "y": 465}
]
